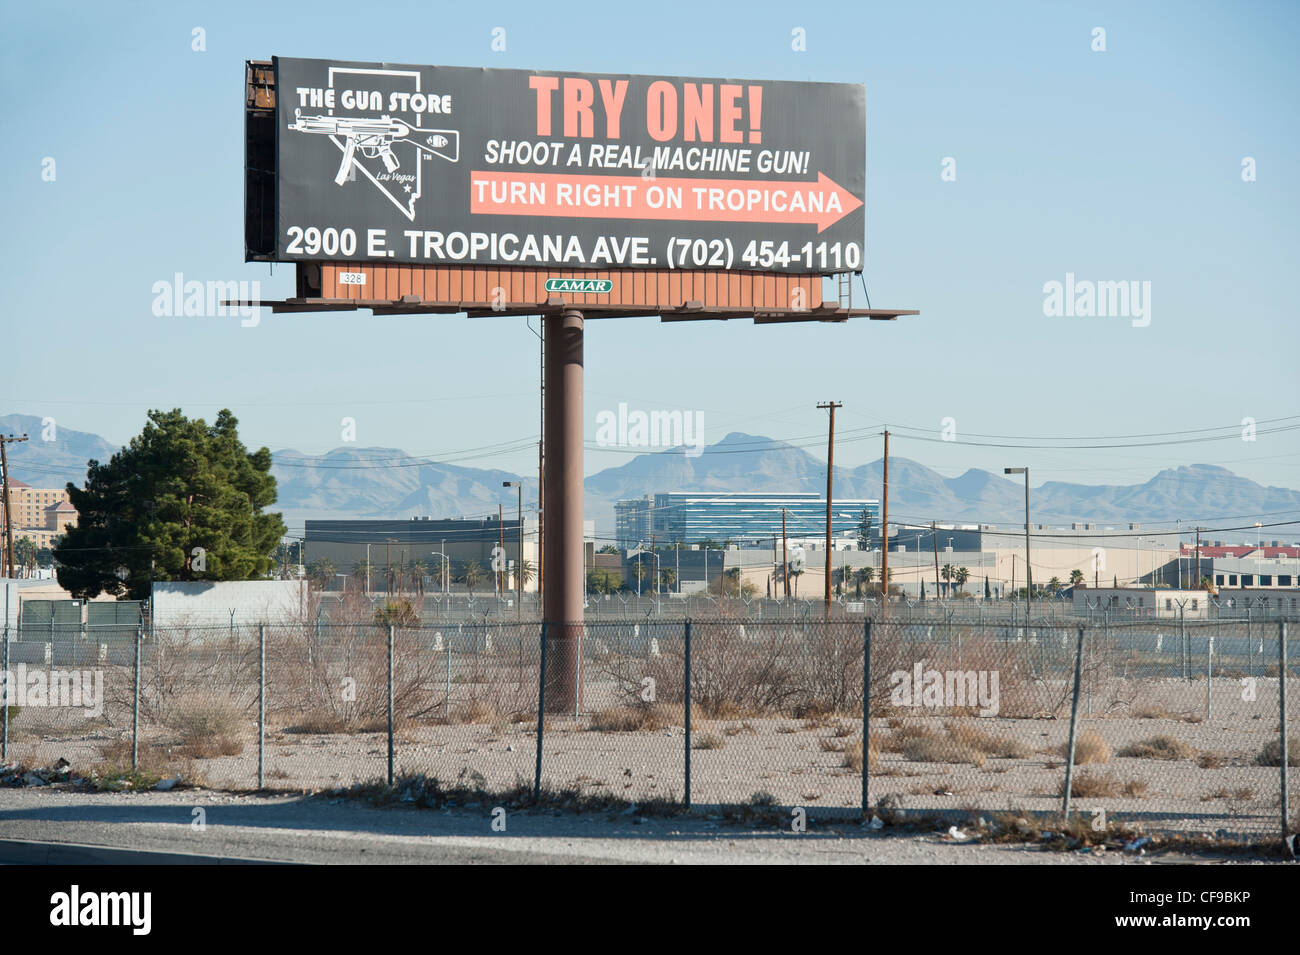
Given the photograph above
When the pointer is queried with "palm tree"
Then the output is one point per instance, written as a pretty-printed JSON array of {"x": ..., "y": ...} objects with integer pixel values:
[
  {"x": 947, "y": 573},
  {"x": 419, "y": 570},
  {"x": 321, "y": 572},
  {"x": 1076, "y": 578},
  {"x": 1054, "y": 584},
  {"x": 862, "y": 576},
  {"x": 472, "y": 574},
  {"x": 526, "y": 572},
  {"x": 666, "y": 577},
  {"x": 961, "y": 577}
]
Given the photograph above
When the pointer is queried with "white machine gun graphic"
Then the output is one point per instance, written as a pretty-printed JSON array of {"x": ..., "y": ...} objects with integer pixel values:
[{"x": 375, "y": 137}]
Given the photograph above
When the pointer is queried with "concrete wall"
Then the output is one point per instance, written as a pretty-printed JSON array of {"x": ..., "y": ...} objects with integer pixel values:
[{"x": 209, "y": 603}]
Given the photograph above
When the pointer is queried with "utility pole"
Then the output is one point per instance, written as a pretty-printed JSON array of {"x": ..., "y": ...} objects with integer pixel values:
[
  {"x": 654, "y": 567},
  {"x": 830, "y": 483},
  {"x": 501, "y": 545},
  {"x": 1197, "y": 582},
  {"x": 1029, "y": 567},
  {"x": 884, "y": 537},
  {"x": 1179, "y": 524},
  {"x": 7, "y": 565},
  {"x": 934, "y": 540}
]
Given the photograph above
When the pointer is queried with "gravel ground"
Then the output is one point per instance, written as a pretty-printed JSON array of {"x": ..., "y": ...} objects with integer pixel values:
[
  {"x": 797, "y": 763},
  {"x": 323, "y": 830}
]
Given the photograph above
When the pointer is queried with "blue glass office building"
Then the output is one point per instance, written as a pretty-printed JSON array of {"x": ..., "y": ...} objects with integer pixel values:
[{"x": 752, "y": 518}]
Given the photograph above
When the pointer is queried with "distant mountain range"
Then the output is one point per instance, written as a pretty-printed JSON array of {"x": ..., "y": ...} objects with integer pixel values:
[
  {"x": 389, "y": 483},
  {"x": 51, "y": 463}
]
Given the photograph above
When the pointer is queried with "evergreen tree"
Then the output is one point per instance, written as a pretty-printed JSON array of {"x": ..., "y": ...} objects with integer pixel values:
[{"x": 182, "y": 501}]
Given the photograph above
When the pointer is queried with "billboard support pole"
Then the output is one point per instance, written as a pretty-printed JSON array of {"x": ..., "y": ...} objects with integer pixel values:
[{"x": 562, "y": 596}]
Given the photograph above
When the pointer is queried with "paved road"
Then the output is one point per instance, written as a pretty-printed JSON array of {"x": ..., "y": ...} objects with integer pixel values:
[{"x": 320, "y": 830}]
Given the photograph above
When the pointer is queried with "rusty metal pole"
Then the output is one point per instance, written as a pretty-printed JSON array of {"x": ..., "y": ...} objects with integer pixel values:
[
  {"x": 830, "y": 483},
  {"x": 562, "y": 599},
  {"x": 884, "y": 539}
]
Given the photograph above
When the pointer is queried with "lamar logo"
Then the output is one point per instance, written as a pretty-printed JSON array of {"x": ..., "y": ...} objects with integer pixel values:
[
  {"x": 103, "y": 908},
  {"x": 582, "y": 286}
]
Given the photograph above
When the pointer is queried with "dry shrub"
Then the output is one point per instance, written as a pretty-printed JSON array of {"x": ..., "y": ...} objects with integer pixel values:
[
  {"x": 153, "y": 762},
  {"x": 175, "y": 662},
  {"x": 1087, "y": 785},
  {"x": 213, "y": 746},
  {"x": 1211, "y": 761},
  {"x": 1158, "y": 747},
  {"x": 475, "y": 711},
  {"x": 940, "y": 749},
  {"x": 1088, "y": 748},
  {"x": 1271, "y": 754},
  {"x": 1244, "y": 794},
  {"x": 1153, "y": 711},
  {"x": 742, "y": 727},
  {"x": 1134, "y": 788},
  {"x": 319, "y": 723},
  {"x": 198, "y": 716},
  {"x": 641, "y": 718},
  {"x": 708, "y": 741},
  {"x": 853, "y": 755},
  {"x": 1003, "y": 747},
  {"x": 307, "y": 665}
]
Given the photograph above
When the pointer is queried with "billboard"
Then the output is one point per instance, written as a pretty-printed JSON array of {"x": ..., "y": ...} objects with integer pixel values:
[{"x": 459, "y": 166}]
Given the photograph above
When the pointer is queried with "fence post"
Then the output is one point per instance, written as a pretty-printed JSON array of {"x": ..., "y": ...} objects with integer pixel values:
[
  {"x": 4, "y": 673},
  {"x": 541, "y": 717},
  {"x": 1074, "y": 726},
  {"x": 1281, "y": 699},
  {"x": 688, "y": 713},
  {"x": 446, "y": 700},
  {"x": 1248, "y": 645},
  {"x": 135, "y": 707},
  {"x": 1184, "y": 642},
  {"x": 261, "y": 704},
  {"x": 866, "y": 709},
  {"x": 390, "y": 704},
  {"x": 1209, "y": 679}
]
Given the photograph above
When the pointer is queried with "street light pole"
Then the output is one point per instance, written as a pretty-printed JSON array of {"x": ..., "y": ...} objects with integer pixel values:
[
  {"x": 519, "y": 558},
  {"x": 1029, "y": 573}
]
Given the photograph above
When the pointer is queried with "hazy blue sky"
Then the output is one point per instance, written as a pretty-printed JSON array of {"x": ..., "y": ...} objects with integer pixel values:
[{"x": 1114, "y": 166}]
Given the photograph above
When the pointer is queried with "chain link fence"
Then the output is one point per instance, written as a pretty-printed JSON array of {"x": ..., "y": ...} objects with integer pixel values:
[{"x": 1180, "y": 725}]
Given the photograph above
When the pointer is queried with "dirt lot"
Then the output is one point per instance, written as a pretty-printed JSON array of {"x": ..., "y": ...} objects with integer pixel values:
[{"x": 1205, "y": 779}]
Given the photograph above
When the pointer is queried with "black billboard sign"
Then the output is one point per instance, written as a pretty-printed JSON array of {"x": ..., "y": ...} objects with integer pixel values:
[{"x": 460, "y": 166}]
